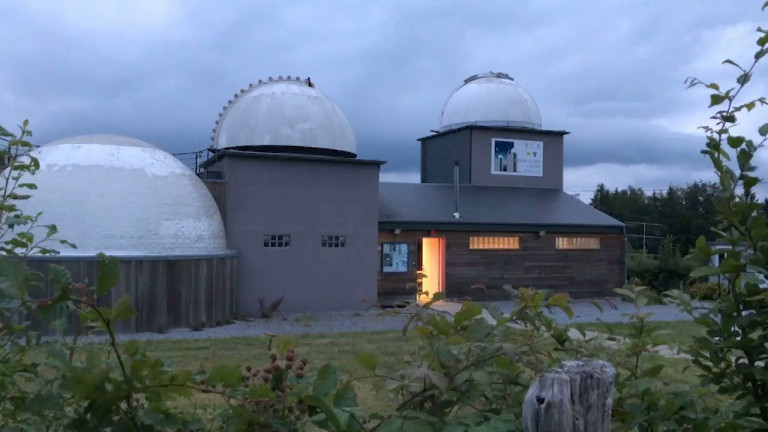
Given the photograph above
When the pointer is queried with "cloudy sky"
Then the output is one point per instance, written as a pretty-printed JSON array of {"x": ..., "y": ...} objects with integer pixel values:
[{"x": 611, "y": 73}]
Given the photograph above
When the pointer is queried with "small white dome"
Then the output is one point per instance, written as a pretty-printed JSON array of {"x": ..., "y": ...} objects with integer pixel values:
[
  {"x": 122, "y": 196},
  {"x": 490, "y": 99},
  {"x": 280, "y": 113}
]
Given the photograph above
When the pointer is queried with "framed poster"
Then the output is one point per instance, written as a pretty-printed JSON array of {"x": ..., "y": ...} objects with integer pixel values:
[
  {"x": 517, "y": 157},
  {"x": 394, "y": 257}
]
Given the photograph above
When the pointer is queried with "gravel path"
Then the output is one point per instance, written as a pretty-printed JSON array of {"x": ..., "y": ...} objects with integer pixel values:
[
  {"x": 283, "y": 324},
  {"x": 377, "y": 320},
  {"x": 615, "y": 311}
]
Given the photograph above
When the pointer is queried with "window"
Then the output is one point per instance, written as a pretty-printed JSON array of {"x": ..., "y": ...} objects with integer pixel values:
[
  {"x": 494, "y": 242},
  {"x": 277, "y": 240},
  {"x": 577, "y": 243},
  {"x": 333, "y": 241}
]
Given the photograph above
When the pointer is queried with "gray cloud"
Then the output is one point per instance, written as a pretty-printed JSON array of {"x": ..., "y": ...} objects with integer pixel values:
[{"x": 609, "y": 72}]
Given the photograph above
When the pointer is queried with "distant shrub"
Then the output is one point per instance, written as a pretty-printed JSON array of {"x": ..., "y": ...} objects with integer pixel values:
[
  {"x": 669, "y": 271},
  {"x": 708, "y": 291}
]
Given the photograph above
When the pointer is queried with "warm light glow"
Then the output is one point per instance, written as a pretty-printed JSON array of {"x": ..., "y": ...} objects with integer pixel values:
[
  {"x": 494, "y": 242},
  {"x": 433, "y": 267},
  {"x": 577, "y": 243}
]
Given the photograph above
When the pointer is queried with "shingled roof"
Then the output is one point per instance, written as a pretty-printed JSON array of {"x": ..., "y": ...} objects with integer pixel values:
[{"x": 431, "y": 206}]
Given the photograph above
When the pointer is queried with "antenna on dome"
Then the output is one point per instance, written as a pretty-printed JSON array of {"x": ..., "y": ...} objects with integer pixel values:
[{"x": 309, "y": 82}]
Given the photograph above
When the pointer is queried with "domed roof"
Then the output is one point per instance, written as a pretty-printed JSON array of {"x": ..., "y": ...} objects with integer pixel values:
[
  {"x": 122, "y": 196},
  {"x": 490, "y": 99},
  {"x": 284, "y": 114}
]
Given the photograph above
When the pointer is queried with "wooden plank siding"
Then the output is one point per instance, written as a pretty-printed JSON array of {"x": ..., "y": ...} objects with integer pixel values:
[
  {"x": 167, "y": 293},
  {"x": 392, "y": 285},
  {"x": 537, "y": 263}
]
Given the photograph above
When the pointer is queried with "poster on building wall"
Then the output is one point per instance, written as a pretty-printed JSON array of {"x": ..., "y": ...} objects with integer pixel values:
[
  {"x": 394, "y": 257},
  {"x": 517, "y": 157}
]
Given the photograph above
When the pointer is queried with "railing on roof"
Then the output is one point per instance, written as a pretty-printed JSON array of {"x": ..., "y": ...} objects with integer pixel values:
[{"x": 194, "y": 160}]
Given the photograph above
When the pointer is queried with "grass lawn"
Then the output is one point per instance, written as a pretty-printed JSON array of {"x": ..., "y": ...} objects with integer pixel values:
[
  {"x": 675, "y": 333},
  {"x": 390, "y": 348}
]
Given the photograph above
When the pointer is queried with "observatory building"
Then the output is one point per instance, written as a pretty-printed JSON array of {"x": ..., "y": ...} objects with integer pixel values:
[
  {"x": 490, "y": 210},
  {"x": 311, "y": 222},
  {"x": 282, "y": 207}
]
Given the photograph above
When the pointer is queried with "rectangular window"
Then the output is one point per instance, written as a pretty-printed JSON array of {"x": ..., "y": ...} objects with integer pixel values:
[
  {"x": 333, "y": 241},
  {"x": 577, "y": 242},
  {"x": 277, "y": 240},
  {"x": 494, "y": 242}
]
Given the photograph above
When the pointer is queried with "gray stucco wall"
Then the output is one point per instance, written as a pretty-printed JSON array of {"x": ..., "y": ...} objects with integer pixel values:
[
  {"x": 438, "y": 155},
  {"x": 481, "y": 160},
  {"x": 306, "y": 199}
]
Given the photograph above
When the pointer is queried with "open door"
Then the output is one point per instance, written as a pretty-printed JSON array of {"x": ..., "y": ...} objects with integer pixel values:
[{"x": 433, "y": 266}]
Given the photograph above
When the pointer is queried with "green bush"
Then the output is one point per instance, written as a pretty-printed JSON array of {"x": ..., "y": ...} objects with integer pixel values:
[
  {"x": 708, "y": 291},
  {"x": 669, "y": 271}
]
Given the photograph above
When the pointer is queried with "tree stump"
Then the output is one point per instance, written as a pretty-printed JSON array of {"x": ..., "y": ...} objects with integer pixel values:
[{"x": 577, "y": 397}]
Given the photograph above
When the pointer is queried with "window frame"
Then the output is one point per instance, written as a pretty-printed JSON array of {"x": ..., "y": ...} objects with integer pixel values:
[
  {"x": 333, "y": 241},
  {"x": 494, "y": 243},
  {"x": 276, "y": 241},
  {"x": 577, "y": 243}
]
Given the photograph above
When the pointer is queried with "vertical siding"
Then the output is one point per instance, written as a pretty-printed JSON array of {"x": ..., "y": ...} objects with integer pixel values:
[
  {"x": 168, "y": 293},
  {"x": 537, "y": 264}
]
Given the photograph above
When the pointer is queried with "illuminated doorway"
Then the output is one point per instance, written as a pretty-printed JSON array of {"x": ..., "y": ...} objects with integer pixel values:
[{"x": 432, "y": 266}]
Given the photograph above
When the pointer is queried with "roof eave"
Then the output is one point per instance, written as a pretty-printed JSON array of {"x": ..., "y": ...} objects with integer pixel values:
[
  {"x": 498, "y": 226},
  {"x": 500, "y": 128}
]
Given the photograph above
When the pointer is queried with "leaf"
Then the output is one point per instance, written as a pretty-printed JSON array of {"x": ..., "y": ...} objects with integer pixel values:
[
  {"x": 763, "y": 130},
  {"x": 468, "y": 311},
  {"x": 654, "y": 370},
  {"x": 735, "y": 141},
  {"x": 330, "y": 416},
  {"x": 716, "y": 99},
  {"x": 439, "y": 380},
  {"x": 733, "y": 63},
  {"x": 109, "y": 274},
  {"x": 440, "y": 324},
  {"x": 367, "y": 361},
  {"x": 626, "y": 292},
  {"x": 561, "y": 300},
  {"x": 744, "y": 78},
  {"x": 326, "y": 380},
  {"x": 394, "y": 424},
  {"x": 345, "y": 396},
  {"x": 597, "y": 305},
  {"x": 705, "y": 271},
  {"x": 123, "y": 309},
  {"x": 228, "y": 376},
  {"x": 284, "y": 344},
  {"x": 132, "y": 347},
  {"x": 5, "y": 133}
]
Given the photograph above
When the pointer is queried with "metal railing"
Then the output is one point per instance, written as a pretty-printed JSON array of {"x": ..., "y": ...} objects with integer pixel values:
[{"x": 194, "y": 160}]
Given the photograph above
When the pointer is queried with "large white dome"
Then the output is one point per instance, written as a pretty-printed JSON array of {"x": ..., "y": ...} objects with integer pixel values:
[
  {"x": 490, "y": 99},
  {"x": 123, "y": 197},
  {"x": 284, "y": 114}
]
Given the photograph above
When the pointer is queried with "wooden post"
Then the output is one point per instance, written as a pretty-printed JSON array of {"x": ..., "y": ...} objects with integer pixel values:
[{"x": 577, "y": 397}]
